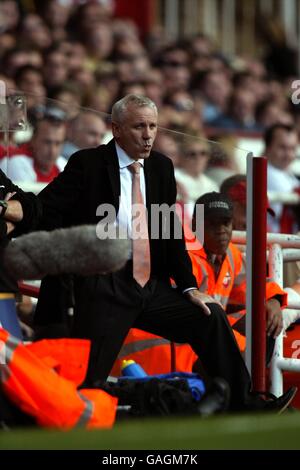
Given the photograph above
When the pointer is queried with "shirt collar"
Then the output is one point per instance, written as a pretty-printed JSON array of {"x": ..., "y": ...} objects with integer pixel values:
[
  {"x": 124, "y": 159},
  {"x": 212, "y": 258}
]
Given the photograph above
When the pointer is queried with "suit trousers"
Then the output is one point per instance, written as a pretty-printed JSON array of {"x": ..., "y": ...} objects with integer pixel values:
[{"x": 114, "y": 303}]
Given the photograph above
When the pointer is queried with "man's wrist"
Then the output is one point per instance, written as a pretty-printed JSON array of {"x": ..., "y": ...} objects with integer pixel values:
[{"x": 3, "y": 207}]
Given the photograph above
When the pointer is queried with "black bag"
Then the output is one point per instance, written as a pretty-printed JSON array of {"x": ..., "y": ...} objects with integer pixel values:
[{"x": 154, "y": 397}]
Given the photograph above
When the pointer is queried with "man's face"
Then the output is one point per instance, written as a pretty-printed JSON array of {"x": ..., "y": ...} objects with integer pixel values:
[
  {"x": 89, "y": 131},
  {"x": 281, "y": 152},
  {"x": 46, "y": 144},
  {"x": 195, "y": 159},
  {"x": 239, "y": 221},
  {"x": 217, "y": 234},
  {"x": 137, "y": 131}
]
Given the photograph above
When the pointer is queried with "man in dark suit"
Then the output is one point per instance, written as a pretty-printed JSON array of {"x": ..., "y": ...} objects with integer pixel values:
[
  {"x": 106, "y": 306},
  {"x": 19, "y": 213}
]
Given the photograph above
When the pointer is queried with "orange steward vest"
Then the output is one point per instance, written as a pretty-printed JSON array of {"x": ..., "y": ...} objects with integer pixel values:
[
  {"x": 154, "y": 354},
  {"x": 229, "y": 288}
]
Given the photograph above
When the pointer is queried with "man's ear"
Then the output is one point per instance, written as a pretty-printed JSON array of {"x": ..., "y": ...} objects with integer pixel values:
[{"x": 115, "y": 129}]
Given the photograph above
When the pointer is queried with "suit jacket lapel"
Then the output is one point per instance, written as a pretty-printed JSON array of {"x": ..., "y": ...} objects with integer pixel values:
[
  {"x": 113, "y": 173},
  {"x": 149, "y": 183}
]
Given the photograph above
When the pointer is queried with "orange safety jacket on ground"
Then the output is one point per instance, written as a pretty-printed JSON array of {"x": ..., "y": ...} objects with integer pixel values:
[{"x": 42, "y": 378}]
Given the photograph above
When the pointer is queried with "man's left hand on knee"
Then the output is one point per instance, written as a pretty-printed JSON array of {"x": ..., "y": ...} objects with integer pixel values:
[{"x": 201, "y": 299}]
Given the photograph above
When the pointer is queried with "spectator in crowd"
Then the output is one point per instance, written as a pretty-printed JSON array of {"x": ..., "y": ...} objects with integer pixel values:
[
  {"x": 107, "y": 306},
  {"x": 240, "y": 114},
  {"x": 224, "y": 161},
  {"x": 87, "y": 129},
  {"x": 174, "y": 65},
  {"x": 281, "y": 143},
  {"x": 17, "y": 57},
  {"x": 153, "y": 84},
  {"x": 75, "y": 54},
  {"x": 56, "y": 15},
  {"x": 43, "y": 161},
  {"x": 55, "y": 68},
  {"x": 99, "y": 44},
  {"x": 68, "y": 98},
  {"x": 194, "y": 157},
  {"x": 215, "y": 89},
  {"x": 29, "y": 79},
  {"x": 9, "y": 16},
  {"x": 234, "y": 188},
  {"x": 269, "y": 113},
  {"x": 34, "y": 33},
  {"x": 167, "y": 144}
]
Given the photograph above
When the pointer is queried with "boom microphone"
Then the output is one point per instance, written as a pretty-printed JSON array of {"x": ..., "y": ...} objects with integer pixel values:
[{"x": 75, "y": 250}]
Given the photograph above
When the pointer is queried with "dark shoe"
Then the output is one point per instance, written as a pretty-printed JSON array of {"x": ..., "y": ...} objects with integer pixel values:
[
  {"x": 216, "y": 399},
  {"x": 271, "y": 402}
]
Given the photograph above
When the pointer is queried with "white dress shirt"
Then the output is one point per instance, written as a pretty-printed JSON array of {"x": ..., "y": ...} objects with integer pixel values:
[{"x": 126, "y": 176}]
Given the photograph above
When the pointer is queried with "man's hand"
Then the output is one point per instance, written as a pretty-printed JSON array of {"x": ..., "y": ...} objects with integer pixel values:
[
  {"x": 198, "y": 298},
  {"x": 274, "y": 318}
]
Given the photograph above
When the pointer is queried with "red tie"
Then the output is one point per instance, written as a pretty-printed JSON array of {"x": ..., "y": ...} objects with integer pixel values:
[{"x": 140, "y": 241}]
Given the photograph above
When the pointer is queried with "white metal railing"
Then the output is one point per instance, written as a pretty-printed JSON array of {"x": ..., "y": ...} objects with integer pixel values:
[
  {"x": 281, "y": 247},
  {"x": 279, "y": 363},
  {"x": 284, "y": 240}
]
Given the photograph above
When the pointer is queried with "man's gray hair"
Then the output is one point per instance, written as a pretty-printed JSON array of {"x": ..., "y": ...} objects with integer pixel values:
[{"x": 120, "y": 107}]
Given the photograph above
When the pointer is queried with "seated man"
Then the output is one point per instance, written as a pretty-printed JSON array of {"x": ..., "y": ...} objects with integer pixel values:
[
  {"x": 220, "y": 271},
  {"x": 43, "y": 162},
  {"x": 234, "y": 188},
  {"x": 86, "y": 130}
]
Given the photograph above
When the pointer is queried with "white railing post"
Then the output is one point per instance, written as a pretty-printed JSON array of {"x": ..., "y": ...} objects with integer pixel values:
[{"x": 276, "y": 272}]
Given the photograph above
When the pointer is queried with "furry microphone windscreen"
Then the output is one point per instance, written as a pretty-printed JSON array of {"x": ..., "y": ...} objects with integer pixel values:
[{"x": 75, "y": 250}]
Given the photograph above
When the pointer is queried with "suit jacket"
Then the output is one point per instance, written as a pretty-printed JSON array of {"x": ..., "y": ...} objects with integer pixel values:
[
  {"x": 31, "y": 207},
  {"x": 90, "y": 178}
]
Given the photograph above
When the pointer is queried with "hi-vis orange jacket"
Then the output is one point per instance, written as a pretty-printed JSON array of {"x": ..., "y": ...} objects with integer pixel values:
[
  {"x": 229, "y": 288},
  {"x": 42, "y": 378},
  {"x": 155, "y": 354}
]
